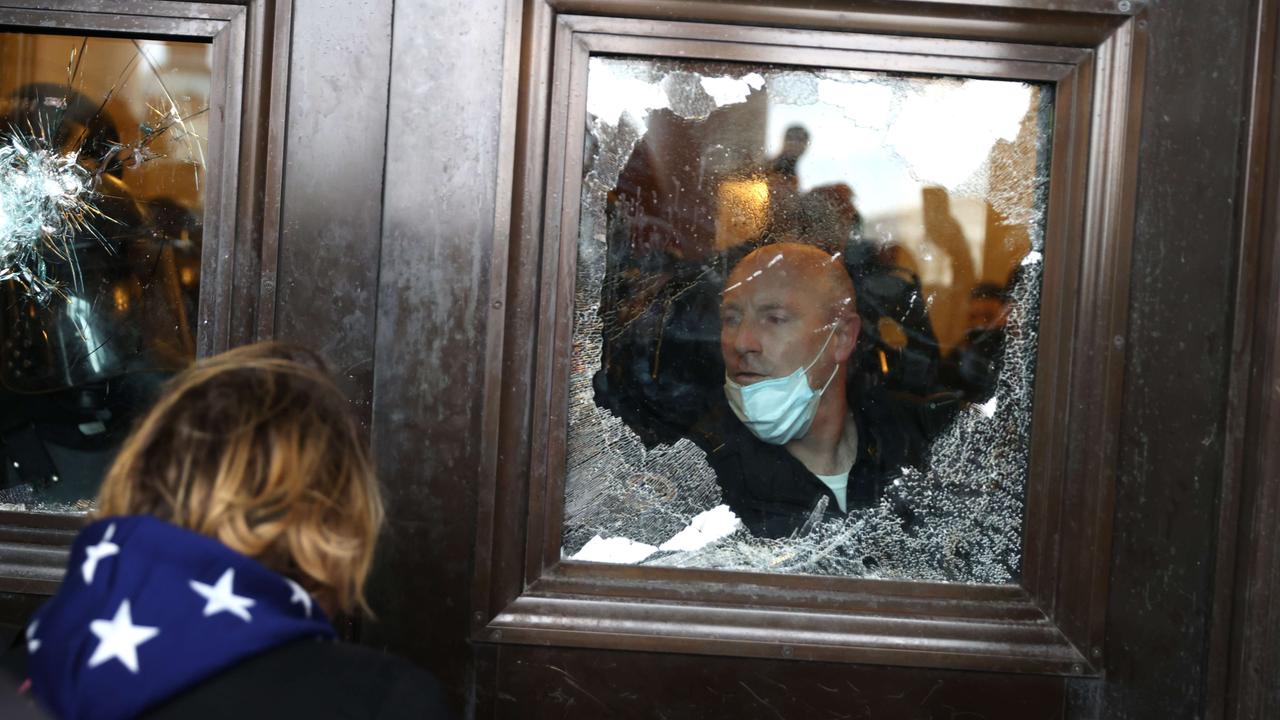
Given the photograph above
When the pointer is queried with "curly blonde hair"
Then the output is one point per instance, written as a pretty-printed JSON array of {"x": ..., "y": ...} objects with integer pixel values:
[{"x": 258, "y": 448}]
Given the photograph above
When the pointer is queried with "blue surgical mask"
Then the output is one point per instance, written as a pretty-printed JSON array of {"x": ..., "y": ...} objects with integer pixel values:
[{"x": 779, "y": 410}]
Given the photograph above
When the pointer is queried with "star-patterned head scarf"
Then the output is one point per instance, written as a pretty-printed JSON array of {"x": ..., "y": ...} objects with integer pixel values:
[{"x": 149, "y": 609}]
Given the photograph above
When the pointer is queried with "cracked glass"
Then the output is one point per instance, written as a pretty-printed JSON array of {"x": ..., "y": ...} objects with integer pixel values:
[
  {"x": 102, "y": 164},
  {"x": 806, "y": 309}
]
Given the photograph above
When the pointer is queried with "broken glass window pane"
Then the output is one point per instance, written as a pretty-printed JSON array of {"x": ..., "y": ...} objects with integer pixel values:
[
  {"x": 102, "y": 158},
  {"x": 806, "y": 308}
]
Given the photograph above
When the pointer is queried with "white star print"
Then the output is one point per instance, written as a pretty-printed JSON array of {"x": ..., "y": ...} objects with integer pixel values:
[
  {"x": 33, "y": 644},
  {"x": 222, "y": 598},
  {"x": 119, "y": 638},
  {"x": 92, "y": 554},
  {"x": 299, "y": 596}
]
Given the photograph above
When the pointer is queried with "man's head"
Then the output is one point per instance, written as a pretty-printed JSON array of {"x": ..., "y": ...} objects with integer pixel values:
[
  {"x": 988, "y": 307},
  {"x": 780, "y": 305},
  {"x": 795, "y": 141}
]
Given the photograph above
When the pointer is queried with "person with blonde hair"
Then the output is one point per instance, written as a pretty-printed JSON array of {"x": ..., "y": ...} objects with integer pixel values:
[{"x": 240, "y": 514}]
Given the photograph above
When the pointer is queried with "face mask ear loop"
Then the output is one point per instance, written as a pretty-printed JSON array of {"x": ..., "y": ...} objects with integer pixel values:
[
  {"x": 817, "y": 357},
  {"x": 834, "y": 370},
  {"x": 821, "y": 349}
]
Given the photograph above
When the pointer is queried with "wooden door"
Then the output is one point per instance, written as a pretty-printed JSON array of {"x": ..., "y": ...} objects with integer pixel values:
[
  {"x": 1180, "y": 445},
  {"x": 392, "y": 198}
]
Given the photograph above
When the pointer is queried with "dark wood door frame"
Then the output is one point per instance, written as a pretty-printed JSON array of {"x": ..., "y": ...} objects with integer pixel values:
[
  {"x": 1245, "y": 646},
  {"x": 1053, "y": 622}
]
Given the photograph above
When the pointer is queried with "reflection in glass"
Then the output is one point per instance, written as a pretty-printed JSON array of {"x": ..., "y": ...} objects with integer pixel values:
[
  {"x": 102, "y": 144},
  {"x": 806, "y": 310}
]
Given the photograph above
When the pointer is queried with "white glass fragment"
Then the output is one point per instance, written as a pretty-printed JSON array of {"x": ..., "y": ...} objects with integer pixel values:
[
  {"x": 614, "y": 550},
  {"x": 706, "y": 527}
]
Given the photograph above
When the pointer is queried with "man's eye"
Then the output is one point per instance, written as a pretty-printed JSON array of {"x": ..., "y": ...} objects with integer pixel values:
[
  {"x": 729, "y": 319},
  {"x": 778, "y": 319}
]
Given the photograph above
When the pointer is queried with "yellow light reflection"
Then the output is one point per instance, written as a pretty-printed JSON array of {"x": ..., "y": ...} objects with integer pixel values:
[
  {"x": 892, "y": 333},
  {"x": 743, "y": 211},
  {"x": 120, "y": 295}
]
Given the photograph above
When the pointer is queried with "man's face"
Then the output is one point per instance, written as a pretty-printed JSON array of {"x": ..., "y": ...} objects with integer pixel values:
[
  {"x": 986, "y": 314},
  {"x": 774, "y": 319},
  {"x": 795, "y": 142}
]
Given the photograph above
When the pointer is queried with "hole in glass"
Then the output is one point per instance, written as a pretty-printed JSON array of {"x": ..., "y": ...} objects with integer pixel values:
[{"x": 806, "y": 310}]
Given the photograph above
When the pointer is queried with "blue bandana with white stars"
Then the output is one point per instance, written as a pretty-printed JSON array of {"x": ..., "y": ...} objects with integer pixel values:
[{"x": 148, "y": 609}]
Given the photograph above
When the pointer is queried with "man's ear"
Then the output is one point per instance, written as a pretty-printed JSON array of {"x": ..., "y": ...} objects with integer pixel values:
[{"x": 849, "y": 324}]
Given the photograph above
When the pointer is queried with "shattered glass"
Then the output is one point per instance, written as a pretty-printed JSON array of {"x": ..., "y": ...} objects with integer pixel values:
[
  {"x": 930, "y": 193},
  {"x": 102, "y": 164}
]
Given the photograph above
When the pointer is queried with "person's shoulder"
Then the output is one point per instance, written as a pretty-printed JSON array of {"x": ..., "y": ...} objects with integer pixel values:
[
  {"x": 404, "y": 689},
  {"x": 347, "y": 658},
  {"x": 718, "y": 430},
  {"x": 893, "y": 427},
  {"x": 315, "y": 679}
]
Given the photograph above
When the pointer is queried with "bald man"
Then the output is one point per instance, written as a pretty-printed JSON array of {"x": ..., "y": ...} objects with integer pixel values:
[{"x": 786, "y": 435}]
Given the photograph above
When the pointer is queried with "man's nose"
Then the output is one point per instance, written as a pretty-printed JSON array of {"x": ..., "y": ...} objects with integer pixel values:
[{"x": 746, "y": 339}]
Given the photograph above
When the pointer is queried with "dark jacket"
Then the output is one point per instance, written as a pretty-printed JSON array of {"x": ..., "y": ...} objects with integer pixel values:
[
  {"x": 773, "y": 493},
  {"x": 312, "y": 679}
]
